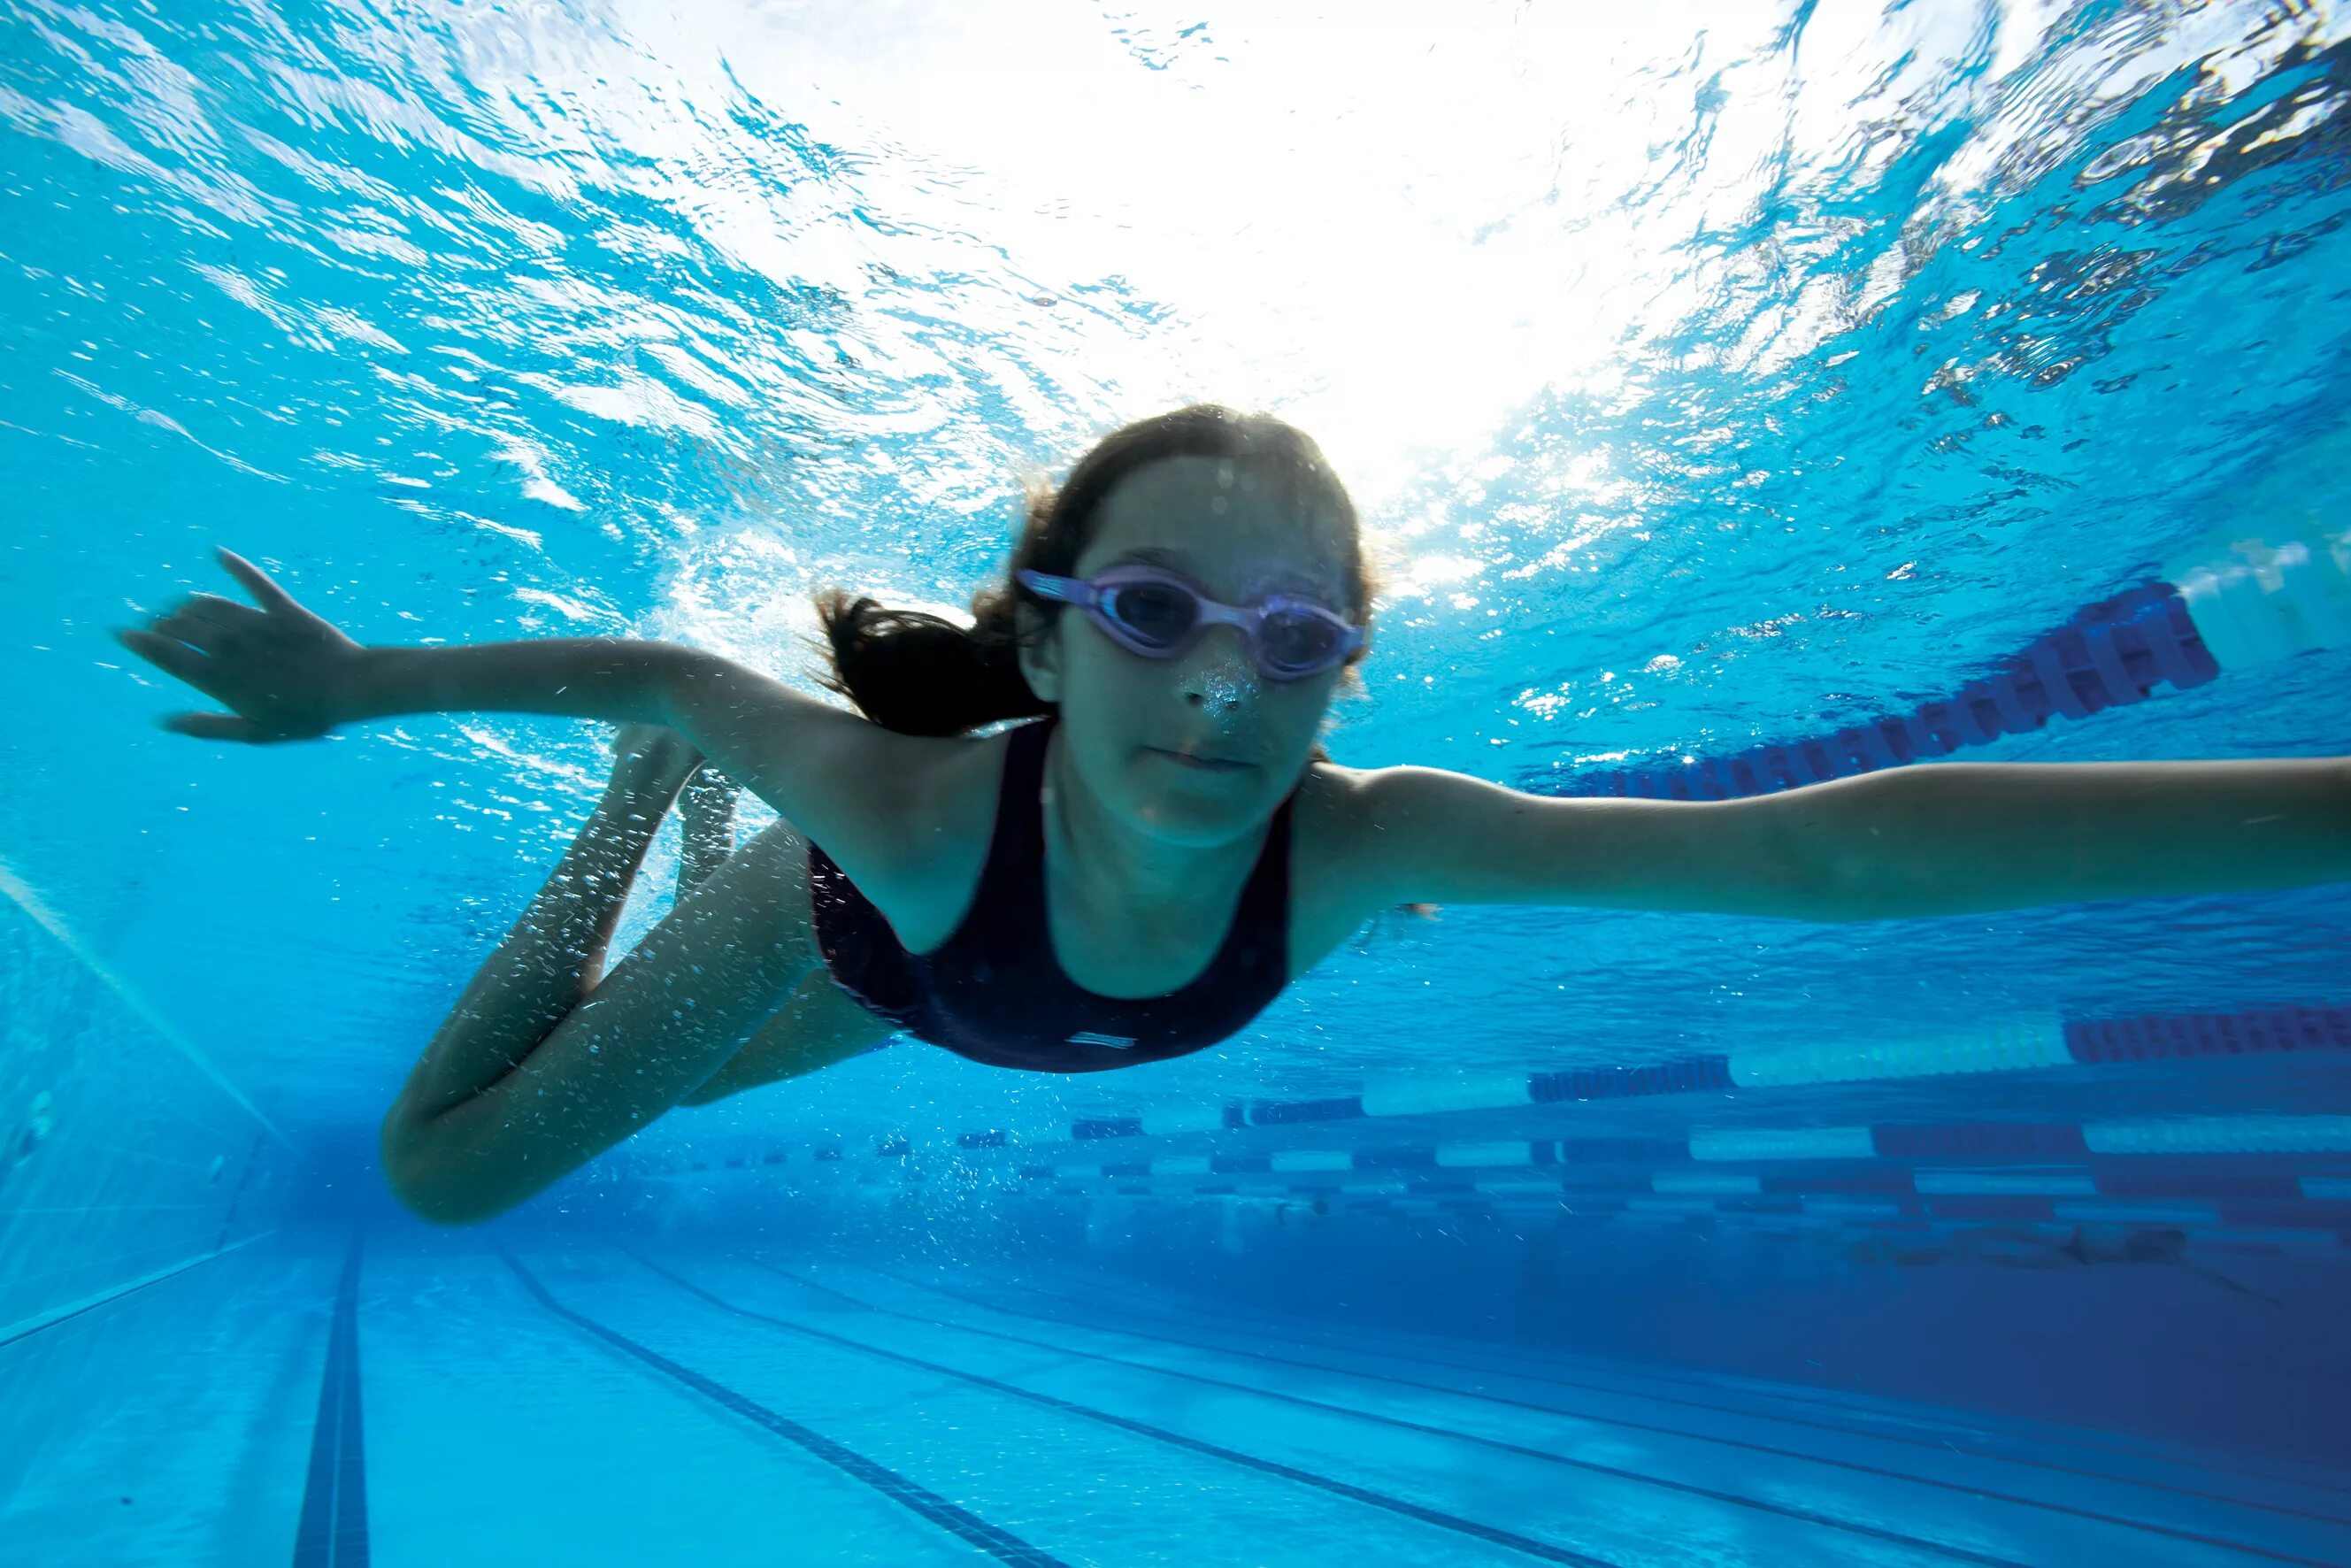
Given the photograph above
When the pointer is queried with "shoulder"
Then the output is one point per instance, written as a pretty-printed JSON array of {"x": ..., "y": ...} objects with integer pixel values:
[
  {"x": 952, "y": 798},
  {"x": 1360, "y": 839},
  {"x": 1333, "y": 800},
  {"x": 1337, "y": 837},
  {"x": 1405, "y": 835},
  {"x": 928, "y": 832},
  {"x": 1355, "y": 808},
  {"x": 901, "y": 793}
]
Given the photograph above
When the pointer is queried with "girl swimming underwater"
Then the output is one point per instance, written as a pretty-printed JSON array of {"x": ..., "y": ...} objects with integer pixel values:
[{"x": 1137, "y": 873}]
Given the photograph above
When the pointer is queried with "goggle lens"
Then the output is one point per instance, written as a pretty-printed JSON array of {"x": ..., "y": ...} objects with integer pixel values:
[
  {"x": 1292, "y": 640},
  {"x": 1160, "y": 614}
]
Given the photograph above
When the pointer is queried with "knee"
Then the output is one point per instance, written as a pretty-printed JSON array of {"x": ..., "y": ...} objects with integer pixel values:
[{"x": 426, "y": 1182}]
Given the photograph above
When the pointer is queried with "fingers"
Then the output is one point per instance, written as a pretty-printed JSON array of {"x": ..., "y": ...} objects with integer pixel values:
[
  {"x": 226, "y": 613},
  {"x": 268, "y": 593},
  {"x": 209, "y": 622},
  {"x": 187, "y": 628},
  {"x": 171, "y": 657},
  {"x": 215, "y": 726}
]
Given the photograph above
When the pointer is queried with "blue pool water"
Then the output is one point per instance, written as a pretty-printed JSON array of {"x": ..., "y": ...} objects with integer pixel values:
[{"x": 1731, "y": 390}]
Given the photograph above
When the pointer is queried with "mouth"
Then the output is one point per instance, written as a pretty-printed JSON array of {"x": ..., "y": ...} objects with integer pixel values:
[{"x": 1204, "y": 764}]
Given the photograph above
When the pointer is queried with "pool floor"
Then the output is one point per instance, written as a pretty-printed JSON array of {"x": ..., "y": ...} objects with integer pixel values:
[{"x": 430, "y": 1399}]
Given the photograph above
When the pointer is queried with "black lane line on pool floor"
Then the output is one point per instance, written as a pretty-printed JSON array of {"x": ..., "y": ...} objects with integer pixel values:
[
  {"x": 1872, "y": 1426},
  {"x": 1697, "y": 1405},
  {"x": 998, "y": 1543},
  {"x": 1735, "y": 1500},
  {"x": 1980, "y": 1493},
  {"x": 1491, "y": 1534},
  {"x": 333, "y": 1529}
]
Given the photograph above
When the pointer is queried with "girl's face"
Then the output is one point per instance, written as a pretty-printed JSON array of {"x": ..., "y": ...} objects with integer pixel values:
[{"x": 1199, "y": 749}]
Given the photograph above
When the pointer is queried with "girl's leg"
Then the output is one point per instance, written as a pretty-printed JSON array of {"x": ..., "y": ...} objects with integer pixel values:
[
  {"x": 542, "y": 1065},
  {"x": 554, "y": 955},
  {"x": 668, "y": 1017},
  {"x": 818, "y": 1023},
  {"x": 821, "y": 1024}
]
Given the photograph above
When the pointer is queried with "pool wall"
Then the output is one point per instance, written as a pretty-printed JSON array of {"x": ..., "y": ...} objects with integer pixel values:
[{"x": 128, "y": 1163}]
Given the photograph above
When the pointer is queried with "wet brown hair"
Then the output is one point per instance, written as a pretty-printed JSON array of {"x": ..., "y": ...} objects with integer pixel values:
[{"x": 921, "y": 675}]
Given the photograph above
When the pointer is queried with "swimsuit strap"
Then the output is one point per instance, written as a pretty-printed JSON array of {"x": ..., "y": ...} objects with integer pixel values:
[
  {"x": 1014, "y": 868},
  {"x": 1017, "y": 845},
  {"x": 1011, "y": 892}
]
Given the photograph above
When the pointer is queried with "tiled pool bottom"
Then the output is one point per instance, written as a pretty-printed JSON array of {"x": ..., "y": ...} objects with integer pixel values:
[{"x": 411, "y": 1397}]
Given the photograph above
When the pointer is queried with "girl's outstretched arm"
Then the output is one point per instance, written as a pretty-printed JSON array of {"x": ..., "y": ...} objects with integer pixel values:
[
  {"x": 286, "y": 674},
  {"x": 1933, "y": 839}
]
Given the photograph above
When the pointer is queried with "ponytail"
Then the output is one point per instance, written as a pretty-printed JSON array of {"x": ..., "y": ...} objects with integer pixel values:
[{"x": 920, "y": 674}]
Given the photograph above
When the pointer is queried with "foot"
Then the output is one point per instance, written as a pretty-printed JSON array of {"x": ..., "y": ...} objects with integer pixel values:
[
  {"x": 706, "y": 806},
  {"x": 705, "y": 815},
  {"x": 652, "y": 760}
]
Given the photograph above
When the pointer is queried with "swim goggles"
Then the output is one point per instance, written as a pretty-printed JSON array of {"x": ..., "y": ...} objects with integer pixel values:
[{"x": 1151, "y": 611}]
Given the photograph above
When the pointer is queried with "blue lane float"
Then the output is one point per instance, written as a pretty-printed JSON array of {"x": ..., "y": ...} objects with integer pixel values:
[
  {"x": 2081, "y": 1043},
  {"x": 2261, "y": 604},
  {"x": 2003, "y": 1048},
  {"x": 1978, "y": 1142},
  {"x": 1989, "y": 1047},
  {"x": 2242, "y": 1178}
]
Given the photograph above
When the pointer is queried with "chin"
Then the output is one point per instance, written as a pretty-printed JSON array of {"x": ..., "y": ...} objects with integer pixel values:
[
  {"x": 1197, "y": 830},
  {"x": 1214, "y": 809}
]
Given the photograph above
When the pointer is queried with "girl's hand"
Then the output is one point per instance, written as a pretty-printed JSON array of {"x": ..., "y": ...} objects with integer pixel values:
[{"x": 286, "y": 673}]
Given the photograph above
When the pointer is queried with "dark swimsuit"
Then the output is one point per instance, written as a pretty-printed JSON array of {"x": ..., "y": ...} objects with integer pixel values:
[{"x": 994, "y": 992}]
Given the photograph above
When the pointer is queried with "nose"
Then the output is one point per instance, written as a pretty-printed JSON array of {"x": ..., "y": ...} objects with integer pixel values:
[{"x": 1219, "y": 675}]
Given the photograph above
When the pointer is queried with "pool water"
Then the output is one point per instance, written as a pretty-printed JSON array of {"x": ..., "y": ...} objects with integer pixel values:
[{"x": 1737, "y": 395}]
